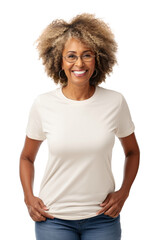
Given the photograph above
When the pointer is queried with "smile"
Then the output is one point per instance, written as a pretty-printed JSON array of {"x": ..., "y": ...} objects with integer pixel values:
[{"x": 79, "y": 73}]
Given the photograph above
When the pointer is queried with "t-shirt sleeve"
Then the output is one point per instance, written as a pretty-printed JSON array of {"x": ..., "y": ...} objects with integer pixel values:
[
  {"x": 125, "y": 125},
  {"x": 34, "y": 128}
]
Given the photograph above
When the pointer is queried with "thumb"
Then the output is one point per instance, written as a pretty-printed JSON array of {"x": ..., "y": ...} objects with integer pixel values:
[
  {"x": 102, "y": 204},
  {"x": 105, "y": 201},
  {"x": 42, "y": 205}
]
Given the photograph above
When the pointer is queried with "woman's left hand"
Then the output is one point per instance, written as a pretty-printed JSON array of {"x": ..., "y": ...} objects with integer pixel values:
[{"x": 113, "y": 204}]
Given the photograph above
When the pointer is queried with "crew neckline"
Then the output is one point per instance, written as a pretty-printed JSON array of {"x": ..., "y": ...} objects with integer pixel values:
[{"x": 78, "y": 101}]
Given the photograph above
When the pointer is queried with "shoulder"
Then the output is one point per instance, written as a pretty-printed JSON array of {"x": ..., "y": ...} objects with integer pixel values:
[
  {"x": 111, "y": 95},
  {"x": 45, "y": 98}
]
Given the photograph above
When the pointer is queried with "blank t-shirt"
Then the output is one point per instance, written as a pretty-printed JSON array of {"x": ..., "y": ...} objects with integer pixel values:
[{"x": 80, "y": 137}]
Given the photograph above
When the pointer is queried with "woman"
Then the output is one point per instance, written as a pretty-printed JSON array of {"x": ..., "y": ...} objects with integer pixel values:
[{"x": 80, "y": 120}]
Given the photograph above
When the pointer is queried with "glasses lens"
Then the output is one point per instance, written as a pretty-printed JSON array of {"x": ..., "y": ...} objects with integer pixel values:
[
  {"x": 71, "y": 58},
  {"x": 87, "y": 57}
]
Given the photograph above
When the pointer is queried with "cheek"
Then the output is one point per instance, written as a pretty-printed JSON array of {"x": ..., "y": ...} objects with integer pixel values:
[
  {"x": 92, "y": 63},
  {"x": 66, "y": 66},
  {"x": 92, "y": 66}
]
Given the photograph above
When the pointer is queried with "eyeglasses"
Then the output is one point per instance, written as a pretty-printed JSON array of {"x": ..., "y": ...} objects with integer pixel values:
[{"x": 72, "y": 58}]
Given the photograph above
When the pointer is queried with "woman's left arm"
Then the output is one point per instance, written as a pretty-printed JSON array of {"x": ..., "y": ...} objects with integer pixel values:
[{"x": 113, "y": 204}]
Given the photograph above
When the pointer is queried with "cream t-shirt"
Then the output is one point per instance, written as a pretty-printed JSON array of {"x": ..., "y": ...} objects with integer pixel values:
[{"x": 80, "y": 136}]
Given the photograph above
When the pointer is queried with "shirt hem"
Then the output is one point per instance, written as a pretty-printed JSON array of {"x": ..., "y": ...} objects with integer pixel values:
[
  {"x": 35, "y": 137},
  {"x": 127, "y": 133},
  {"x": 74, "y": 218}
]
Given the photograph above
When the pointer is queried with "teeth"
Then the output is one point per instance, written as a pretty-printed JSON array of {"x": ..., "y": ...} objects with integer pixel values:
[{"x": 79, "y": 72}]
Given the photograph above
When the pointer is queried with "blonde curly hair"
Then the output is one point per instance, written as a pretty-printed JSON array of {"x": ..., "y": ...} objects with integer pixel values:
[{"x": 90, "y": 31}]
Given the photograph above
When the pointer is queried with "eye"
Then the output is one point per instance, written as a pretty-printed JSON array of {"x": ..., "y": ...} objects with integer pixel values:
[
  {"x": 87, "y": 55},
  {"x": 71, "y": 56}
]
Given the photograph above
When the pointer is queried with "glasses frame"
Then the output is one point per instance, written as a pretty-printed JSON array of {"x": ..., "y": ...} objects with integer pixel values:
[{"x": 93, "y": 56}]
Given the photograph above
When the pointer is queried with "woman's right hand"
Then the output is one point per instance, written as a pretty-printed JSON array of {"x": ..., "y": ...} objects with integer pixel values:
[{"x": 36, "y": 209}]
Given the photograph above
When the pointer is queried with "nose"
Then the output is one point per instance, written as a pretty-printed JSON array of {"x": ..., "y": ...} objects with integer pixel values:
[{"x": 79, "y": 62}]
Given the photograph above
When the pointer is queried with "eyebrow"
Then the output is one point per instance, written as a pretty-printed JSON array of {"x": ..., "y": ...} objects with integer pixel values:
[{"x": 83, "y": 51}]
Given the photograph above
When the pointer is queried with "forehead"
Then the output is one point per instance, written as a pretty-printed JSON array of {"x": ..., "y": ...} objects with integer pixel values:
[{"x": 75, "y": 45}]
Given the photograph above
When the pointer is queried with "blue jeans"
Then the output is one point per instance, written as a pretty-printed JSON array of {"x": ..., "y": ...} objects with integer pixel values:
[{"x": 100, "y": 227}]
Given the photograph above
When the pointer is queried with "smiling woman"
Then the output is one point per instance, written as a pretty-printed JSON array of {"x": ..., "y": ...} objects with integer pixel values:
[
  {"x": 90, "y": 31},
  {"x": 78, "y": 55},
  {"x": 80, "y": 120}
]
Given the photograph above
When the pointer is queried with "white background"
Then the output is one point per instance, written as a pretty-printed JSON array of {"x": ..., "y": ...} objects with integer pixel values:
[{"x": 22, "y": 77}]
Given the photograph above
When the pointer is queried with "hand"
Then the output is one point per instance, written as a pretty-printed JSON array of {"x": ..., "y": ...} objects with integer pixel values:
[
  {"x": 113, "y": 204},
  {"x": 36, "y": 209}
]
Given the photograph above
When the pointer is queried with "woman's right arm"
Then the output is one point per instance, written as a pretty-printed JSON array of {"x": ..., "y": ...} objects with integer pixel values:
[{"x": 34, "y": 204}]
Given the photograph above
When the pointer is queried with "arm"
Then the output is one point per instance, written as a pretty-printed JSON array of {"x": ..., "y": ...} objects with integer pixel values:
[
  {"x": 113, "y": 204},
  {"x": 132, "y": 157},
  {"x": 35, "y": 205}
]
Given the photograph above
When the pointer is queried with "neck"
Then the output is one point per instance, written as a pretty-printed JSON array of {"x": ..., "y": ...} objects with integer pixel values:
[{"x": 78, "y": 93}]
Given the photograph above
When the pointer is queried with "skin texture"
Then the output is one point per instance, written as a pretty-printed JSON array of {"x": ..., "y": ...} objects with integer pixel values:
[{"x": 78, "y": 88}]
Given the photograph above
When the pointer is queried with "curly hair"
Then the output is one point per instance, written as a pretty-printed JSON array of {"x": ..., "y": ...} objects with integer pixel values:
[{"x": 89, "y": 30}]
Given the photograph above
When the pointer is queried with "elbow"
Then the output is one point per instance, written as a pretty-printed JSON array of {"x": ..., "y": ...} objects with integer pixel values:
[
  {"x": 134, "y": 152},
  {"x": 25, "y": 159}
]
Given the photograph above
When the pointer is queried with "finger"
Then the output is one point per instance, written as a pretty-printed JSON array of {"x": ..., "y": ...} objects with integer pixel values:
[
  {"x": 111, "y": 212},
  {"x": 106, "y": 201},
  {"x": 102, "y": 204},
  {"x": 42, "y": 205},
  {"x": 38, "y": 217},
  {"x": 43, "y": 213},
  {"x": 105, "y": 208},
  {"x": 105, "y": 204},
  {"x": 115, "y": 215}
]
